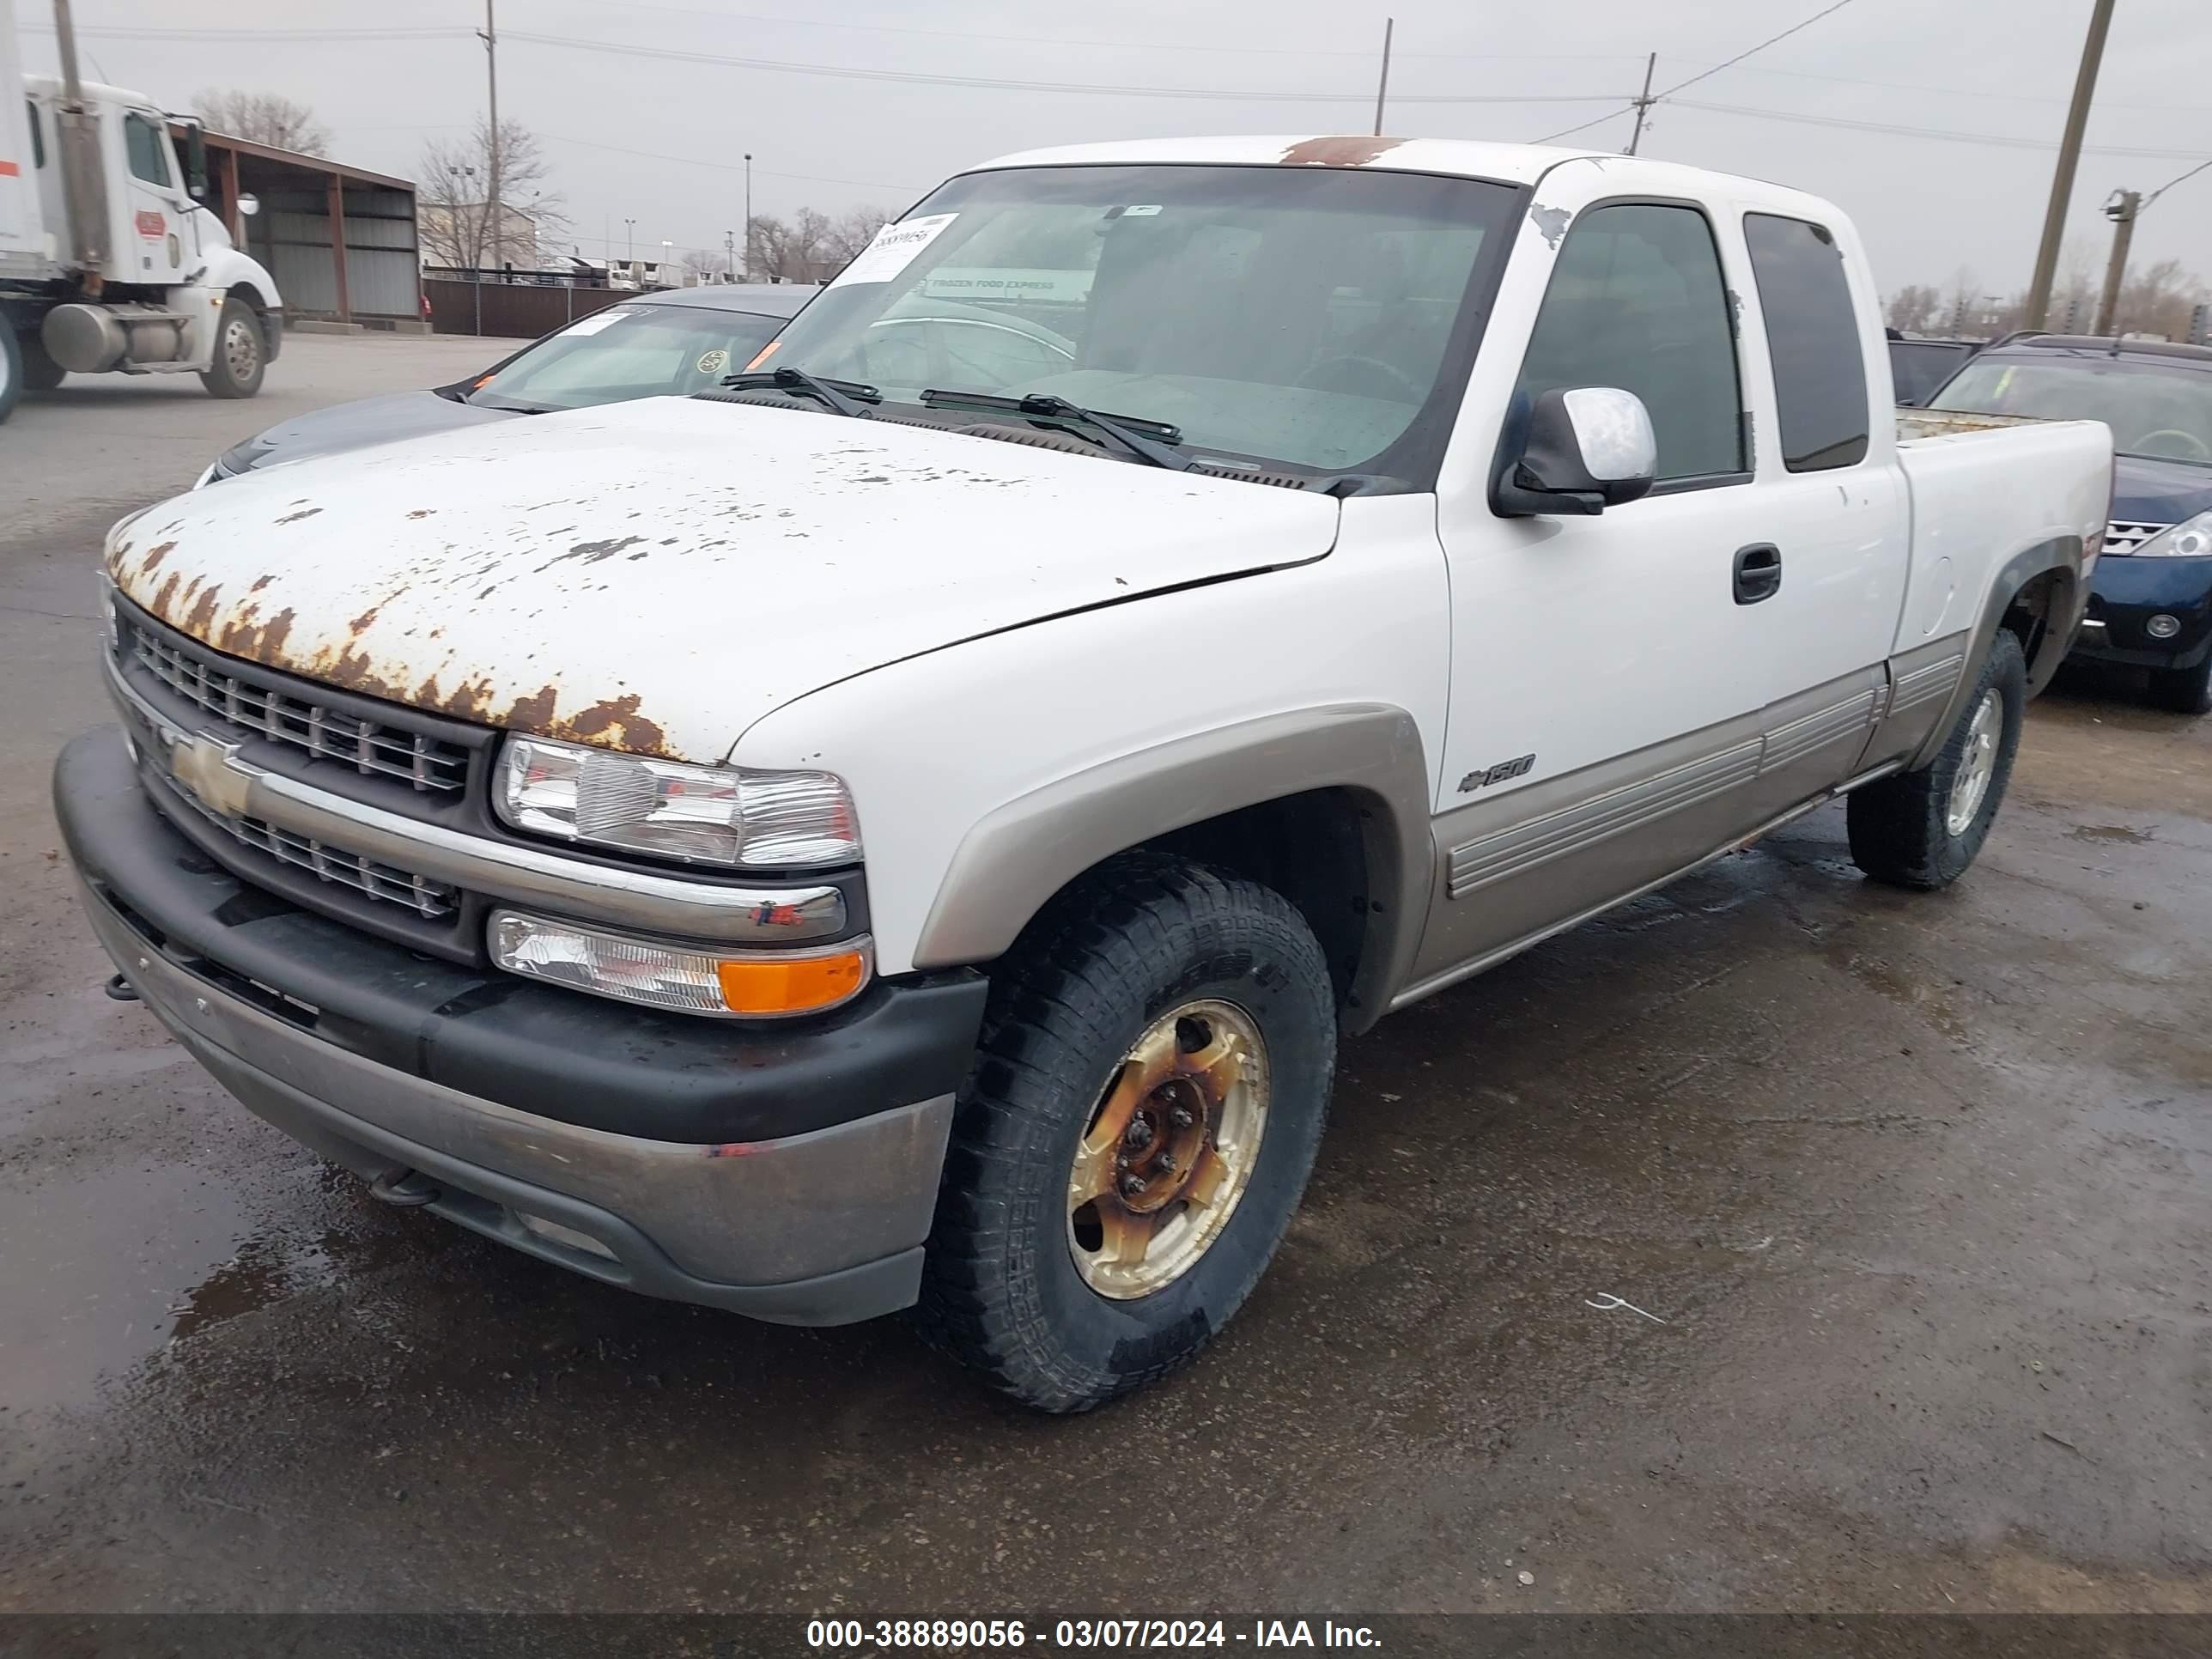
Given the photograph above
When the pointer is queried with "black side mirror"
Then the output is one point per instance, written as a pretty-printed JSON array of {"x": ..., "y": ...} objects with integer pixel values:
[
  {"x": 1583, "y": 449},
  {"x": 196, "y": 171}
]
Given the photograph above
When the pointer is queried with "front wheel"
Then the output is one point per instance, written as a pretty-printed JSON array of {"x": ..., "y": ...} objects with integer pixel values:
[
  {"x": 1921, "y": 829},
  {"x": 1149, "y": 1092},
  {"x": 2184, "y": 690},
  {"x": 241, "y": 358}
]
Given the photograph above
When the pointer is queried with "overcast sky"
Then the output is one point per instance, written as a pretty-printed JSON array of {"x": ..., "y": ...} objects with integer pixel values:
[{"x": 1927, "y": 207}]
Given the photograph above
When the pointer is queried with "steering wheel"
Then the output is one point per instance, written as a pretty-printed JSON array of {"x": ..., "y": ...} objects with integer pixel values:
[
  {"x": 2203, "y": 449},
  {"x": 1402, "y": 385}
]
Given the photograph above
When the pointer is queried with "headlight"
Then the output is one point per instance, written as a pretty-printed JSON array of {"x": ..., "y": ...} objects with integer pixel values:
[
  {"x": 2190, "y": 540},
  {"x": 688, "y": 978},
  {"x": 702, "y": 814}
]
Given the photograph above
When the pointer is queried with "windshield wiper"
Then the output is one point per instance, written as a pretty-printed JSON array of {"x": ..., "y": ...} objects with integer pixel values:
[
  {"x": 838, "y": 395},
  {"x": 1148, "y": 441}
]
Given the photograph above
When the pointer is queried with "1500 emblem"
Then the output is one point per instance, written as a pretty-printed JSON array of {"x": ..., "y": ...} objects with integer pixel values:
[{"x": 1498, "y": 773}]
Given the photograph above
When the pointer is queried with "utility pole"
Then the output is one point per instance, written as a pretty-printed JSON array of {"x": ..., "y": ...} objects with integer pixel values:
[
  {"x": 749, "y": 215},
  {"x": 1382, "y": 85},
  {"x": 491, "y": 37},
  {"x": 629, "y": 230},
  {"x": 730, "y": 253},
  {"x": 2069, "y": 156},
  {"x": 1643, "y": 102},
  {"x": 2123, "y": 209}
]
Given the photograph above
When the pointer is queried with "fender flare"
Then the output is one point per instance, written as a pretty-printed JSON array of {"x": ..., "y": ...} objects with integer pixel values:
[
  {"x": 1015, "y": 859},
  {"x": 2062, "y": 554}
]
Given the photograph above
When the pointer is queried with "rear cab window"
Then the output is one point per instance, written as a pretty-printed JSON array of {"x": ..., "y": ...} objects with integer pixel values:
[{"x": 1812, "y": 338}]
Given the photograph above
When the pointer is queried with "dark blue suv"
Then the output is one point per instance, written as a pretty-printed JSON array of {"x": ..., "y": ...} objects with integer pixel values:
[{"x": 2150, "y": 601}]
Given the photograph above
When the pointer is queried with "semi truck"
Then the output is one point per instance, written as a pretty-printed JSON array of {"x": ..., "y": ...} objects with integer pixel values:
[{"x": 108, "y": 262}]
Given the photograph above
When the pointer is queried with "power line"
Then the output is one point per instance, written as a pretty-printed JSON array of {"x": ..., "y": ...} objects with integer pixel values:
[
  {"x": 2171, "y": 183},
  {"x": 674, "y": 54},
  {"x": 2001, "y": 140},
  {"x": 1625, "y": 109},
  {"x": 728, "y": 166},
  {"x": 112, "y": 33},
  {"x": 1702, "y": 75}
]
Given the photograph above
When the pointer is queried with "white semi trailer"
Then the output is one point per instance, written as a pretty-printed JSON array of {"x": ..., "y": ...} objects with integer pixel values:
[{"x": 108, "y": 262}]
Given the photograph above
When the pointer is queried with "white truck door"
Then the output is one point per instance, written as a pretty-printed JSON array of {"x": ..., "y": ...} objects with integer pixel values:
[
  {"x": 1607, "y": 657},
  {"x": 1830, "y": 497},
  {"x": 22, "y": 239},
  {"x": 155, "y": 208}
]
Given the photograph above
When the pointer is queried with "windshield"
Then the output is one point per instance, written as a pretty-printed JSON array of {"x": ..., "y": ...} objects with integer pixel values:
[
  {"x": 1295, "y": 317},
  {"x": 2155, "y": 412},
  {"x": 627, "y": 351}
]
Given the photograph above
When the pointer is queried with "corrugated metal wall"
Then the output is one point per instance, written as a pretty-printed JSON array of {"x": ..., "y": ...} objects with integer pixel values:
[{"x": 293, "y": 234}]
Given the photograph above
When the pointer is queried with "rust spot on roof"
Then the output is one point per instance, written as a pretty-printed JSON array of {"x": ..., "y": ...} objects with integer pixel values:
[
  {"x": 1338, "y": 151},
  {"x": 294, "y": 518}
]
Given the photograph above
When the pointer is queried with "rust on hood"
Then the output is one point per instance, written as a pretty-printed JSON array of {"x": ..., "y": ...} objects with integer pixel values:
[
  {"x": 154, "y": 555},
  {"x": 1338, "y": 151}
]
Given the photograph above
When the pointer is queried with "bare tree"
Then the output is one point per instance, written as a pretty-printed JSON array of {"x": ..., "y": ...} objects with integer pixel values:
[
  {"x": 262, "y": 118},
  {"x": 1914, "y": 308},
  {"x": 851, "y": 232},
  {"x": 2158, "y": 301},
  {"x": 453, "y": 219},
  {"x": 810, "y": 246}
]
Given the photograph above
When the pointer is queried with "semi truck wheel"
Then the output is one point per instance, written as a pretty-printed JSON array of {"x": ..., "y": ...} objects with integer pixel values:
[
  {"x": 40, "y": 371},
  {"x": 11, "y": 369},
  {"x": 240, "y": 359},
  {"x": 1921, "y": 829},
  {"x": 1148, "y": 1094}
]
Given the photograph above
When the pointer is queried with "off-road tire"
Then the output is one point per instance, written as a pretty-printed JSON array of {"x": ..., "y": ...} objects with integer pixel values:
[
  {"x": 237, "y": 374},
  {"x": 1898, "y": 830},
  {"x": 40, "y": 371},
  {"x": 1144, "y": 935},
  {"x": 2184, "y": 691},
  {"x": 11, "y": 368}
]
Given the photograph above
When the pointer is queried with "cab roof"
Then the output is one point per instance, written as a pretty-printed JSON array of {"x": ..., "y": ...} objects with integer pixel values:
[{"x": 1515, "y": 164}]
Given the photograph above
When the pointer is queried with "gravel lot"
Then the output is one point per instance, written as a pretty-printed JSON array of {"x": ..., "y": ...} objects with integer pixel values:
[{"x": 1919, "y": 1186}]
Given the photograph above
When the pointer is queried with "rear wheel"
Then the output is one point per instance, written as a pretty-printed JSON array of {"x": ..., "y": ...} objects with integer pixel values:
[
  {"x": 11, "y": 369},
  {"x": 2184, "y": 690},
  {"x": 1921, "y": 829},
  {"x": 1148, "y": 1096},
  {"x": 241, "y": 358}
]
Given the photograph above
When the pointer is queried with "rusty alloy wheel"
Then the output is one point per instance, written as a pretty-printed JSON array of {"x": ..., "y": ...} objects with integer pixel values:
[{"x": 1169, "y": 1151}]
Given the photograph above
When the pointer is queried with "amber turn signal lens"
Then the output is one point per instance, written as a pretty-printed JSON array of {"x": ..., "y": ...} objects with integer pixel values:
[{"x": 790, "y": 985}]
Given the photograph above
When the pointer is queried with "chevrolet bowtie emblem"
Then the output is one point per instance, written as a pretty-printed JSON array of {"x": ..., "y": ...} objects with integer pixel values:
[{"x": 209, "y": 772}]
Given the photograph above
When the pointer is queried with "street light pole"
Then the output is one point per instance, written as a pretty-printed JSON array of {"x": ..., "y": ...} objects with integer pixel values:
[
  {"x": 749, "y": 216},
  {"x": 1382, "y": 82},
  {"x": 629, "y": 229},
  {"x": 2069, "y": 157},
  {"x": 2123, "y": 211},
  {"x": 491, "y": 71}
]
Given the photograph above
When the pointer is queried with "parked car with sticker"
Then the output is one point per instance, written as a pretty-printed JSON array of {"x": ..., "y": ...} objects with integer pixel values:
[
  {"x": 662, "y": 344},
  {"x": 911, "y": 824}
]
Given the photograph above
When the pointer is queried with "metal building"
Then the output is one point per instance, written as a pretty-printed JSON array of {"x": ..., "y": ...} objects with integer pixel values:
[{"x": 312, "y": 208}]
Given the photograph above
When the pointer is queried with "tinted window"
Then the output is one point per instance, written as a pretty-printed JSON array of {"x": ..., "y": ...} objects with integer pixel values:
[
  {"x": 37, "y": 136},
  {"x": 1918, "y": 368},
  {"x": 149, "y": 156},
  {"x": 1812, "y": 335},
  {"x": 1637, "y": 301}
]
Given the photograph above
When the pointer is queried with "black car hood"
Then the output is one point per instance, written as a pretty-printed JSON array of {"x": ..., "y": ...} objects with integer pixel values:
[
  {"x": 354, "y": 426},
  {"x": 2146, "y": 491}
]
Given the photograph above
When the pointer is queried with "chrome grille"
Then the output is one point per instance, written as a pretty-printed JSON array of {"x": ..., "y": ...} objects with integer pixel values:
[
  {"x": 430, "y": 764},
  {"x": 431, "y": 899},
  {"x": 2125, "y": 535}
]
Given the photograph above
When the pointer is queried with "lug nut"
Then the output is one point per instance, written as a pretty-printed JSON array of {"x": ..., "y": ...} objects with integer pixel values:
[
  {"x": 1166, "y": 1163},
  {"x": 1183, "y": 1117},
  {"x": 1131, "y": 1184},
  {"x": 1138, "y": 1134}
]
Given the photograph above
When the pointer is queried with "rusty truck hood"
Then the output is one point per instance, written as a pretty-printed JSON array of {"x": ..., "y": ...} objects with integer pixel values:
[{"x": 655, "y": 576}]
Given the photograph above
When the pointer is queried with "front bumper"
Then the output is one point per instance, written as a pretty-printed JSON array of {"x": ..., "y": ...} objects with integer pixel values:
[
  {"x": 2127, "y": 591},
  {"x": 387, "y": 1062}
]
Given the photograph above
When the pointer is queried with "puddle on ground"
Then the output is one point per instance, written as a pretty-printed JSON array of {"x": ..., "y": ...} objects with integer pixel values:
[{"x": 2119, "y": 832}]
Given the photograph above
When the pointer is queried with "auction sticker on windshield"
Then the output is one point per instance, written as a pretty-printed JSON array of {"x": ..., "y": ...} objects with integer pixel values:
[
  {"x": 599, "y": 319},
  {"x": 894, "y": 249}
]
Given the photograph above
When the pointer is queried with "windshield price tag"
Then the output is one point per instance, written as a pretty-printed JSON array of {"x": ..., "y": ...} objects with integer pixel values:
[
  {"x": 599, "y": 319},
  {"x": 894, "y": 249}
]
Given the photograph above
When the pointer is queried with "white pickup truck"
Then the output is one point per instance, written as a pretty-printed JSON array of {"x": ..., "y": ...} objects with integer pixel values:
[{"x": 913, "y": 826}]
